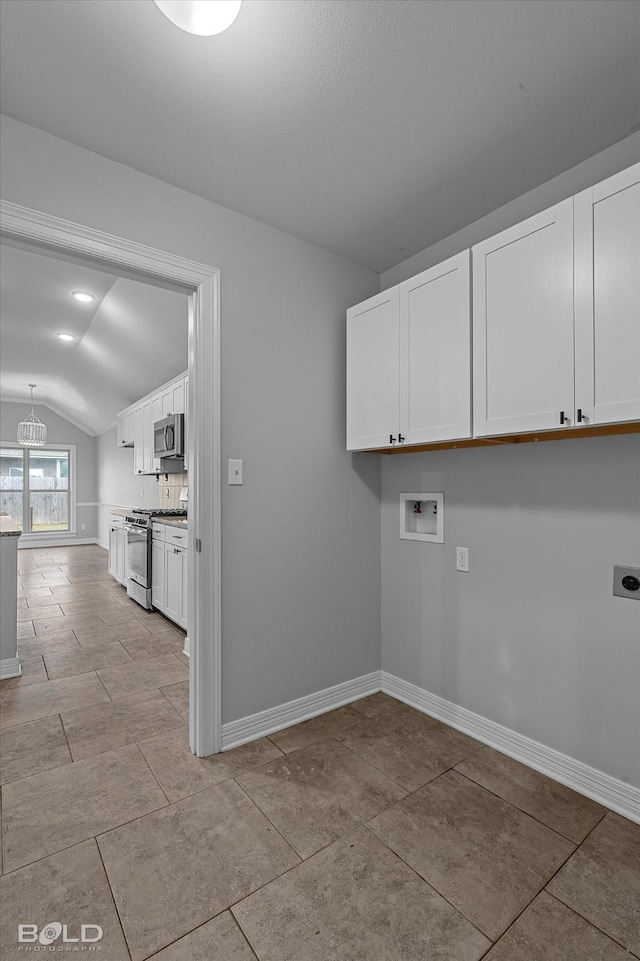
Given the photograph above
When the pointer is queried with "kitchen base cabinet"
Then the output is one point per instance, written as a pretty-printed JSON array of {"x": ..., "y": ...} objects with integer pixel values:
[
  {"x": 176, "y": 561},
  {"x": 118, "y": 549},
  {"x": 158, "y": 576}
]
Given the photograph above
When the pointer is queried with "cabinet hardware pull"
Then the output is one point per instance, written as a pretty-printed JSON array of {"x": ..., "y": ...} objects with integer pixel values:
[
  {"x": 562, "y": 417},
  {"x": 401, "y": 439},
  {"x": 391, "y": 439},
  {"x": 580, "y": 417}
]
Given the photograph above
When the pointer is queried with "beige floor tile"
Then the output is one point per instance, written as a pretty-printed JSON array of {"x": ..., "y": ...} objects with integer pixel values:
[
  {"x": 38, "y": 592},
  {"x": 153, "y": 645},
  {"x": 84, "y": 660},
  {"x": 192, "y": 860},
  {"x": 318, "y": 794},
  {"x": 486, "y": 857},
  {"x": 116, "y": 615},
  {"x": 56, "y": 625},
  {"x": 33, "y": 672},
  {"x": 178, "y": 695},
  {"x": 548, "y": 931},
  {"x": 100, "y": 633},
  {"x": 62, "y": 592},
  {"x": 557, "y": 806},
  {"x": 88, "y": 605},
  {"x": 408, "y": 746},
  {"x": 103, "y": 727},
  {"x": 376, "y": 704},
  {"x": 156, "y": 624},
  {"x": 52, "y": 697},
  {"x": 31, "y": 748},
  {"x": 602, "y": 880},
  {"x": 181, "y": 773},
  {"x": 356, "y": 900},
  {"x": 51, "y": 811},
  {"x": 71, "y": 888},
  {"x": 25, "y": 629},
  {"x": 30, "y": 613},
  {"x": 143, "y": 675},
  {"x": 36, "y": 603},
  {"x": 61, "y": 643},
  {"x": 315, "y": 729},
  {"x": 217, "y": 940}
]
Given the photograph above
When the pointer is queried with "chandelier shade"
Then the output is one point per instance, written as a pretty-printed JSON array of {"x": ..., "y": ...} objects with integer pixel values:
[{"x": 31, "y": 431}]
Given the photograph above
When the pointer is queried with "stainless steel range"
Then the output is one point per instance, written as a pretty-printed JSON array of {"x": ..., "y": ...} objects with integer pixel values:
[{"x": 138, "y": 525}]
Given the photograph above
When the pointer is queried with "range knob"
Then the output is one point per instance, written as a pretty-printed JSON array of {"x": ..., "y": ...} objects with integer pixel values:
[{"x": 630, "y": 583}]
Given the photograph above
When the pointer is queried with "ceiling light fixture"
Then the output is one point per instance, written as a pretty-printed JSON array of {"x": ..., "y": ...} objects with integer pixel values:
[
  {"x": 202, "y": 17},
  {"x": 31, "y": 431},
  {"x": 83, "y": 296},
  {"x": 65, "y": 336}
]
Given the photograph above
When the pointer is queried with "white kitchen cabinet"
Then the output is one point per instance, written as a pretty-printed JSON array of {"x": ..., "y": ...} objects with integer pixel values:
[
  {"x": 125, "y": 428},
  {"x": 523, "y": 326},
  {"x": 143, "y": 439},
  {"x": 607, "y": 300},
  {"x": 435, "y": 353},
  {"x": 373, "y": 357},
  {"x": 172, "y": 397},
  {"x": 176, "y": 575},
  {"x": 117, "y": 549},
  {"x": 409, "y": 361},
  {"x": 158, "y": 572}
]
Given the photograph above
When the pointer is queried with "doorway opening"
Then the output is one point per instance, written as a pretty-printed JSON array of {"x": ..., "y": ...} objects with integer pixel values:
[{"x": 37, "y": 231}]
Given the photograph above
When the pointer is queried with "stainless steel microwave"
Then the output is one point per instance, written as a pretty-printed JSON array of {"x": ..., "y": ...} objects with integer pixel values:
[{"x": 168, "y": 436}]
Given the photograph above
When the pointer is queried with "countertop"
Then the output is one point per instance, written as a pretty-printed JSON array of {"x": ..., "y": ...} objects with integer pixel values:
[
  {"x": 8, "y": 528},
  {"x": 181, "y": 522}
]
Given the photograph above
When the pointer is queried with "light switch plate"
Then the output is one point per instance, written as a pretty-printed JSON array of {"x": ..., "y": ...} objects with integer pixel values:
[
  {"x": 625, "y": 578},
  {"x": 235, "y": 472}
]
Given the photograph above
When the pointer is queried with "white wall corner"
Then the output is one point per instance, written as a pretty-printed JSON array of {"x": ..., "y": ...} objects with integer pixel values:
[
  {"x": 606, "y": 790},
  {"x": 10, "y": 667},
  {"x": 294, "y": 712}
]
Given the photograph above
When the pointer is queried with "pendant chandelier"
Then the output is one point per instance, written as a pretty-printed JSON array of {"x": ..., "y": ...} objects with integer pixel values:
[{"x": 31, "y": 431}]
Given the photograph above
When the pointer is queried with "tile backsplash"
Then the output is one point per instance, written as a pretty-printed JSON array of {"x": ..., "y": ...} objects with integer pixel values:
[{"x": 169, "y": 489}]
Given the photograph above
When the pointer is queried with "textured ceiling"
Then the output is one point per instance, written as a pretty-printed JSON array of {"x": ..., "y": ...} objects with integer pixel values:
[
  {"x": 373, "y": 128},
  {"x": 130, "y": 340}
]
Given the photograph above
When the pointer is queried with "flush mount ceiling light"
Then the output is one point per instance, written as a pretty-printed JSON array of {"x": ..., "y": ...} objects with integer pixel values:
[
  {"x": 202, "y": 17},
  {"x": 83, "y": 296},
  {"x": 31, "y": 431},
  {"x": 65, "y": 336}
]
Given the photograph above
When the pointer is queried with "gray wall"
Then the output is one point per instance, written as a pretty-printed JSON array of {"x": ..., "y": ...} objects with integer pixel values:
[
  {"x": 592, "y": 171},
  {"x": 301, "y": 538},
  {"x": 118, "y": 486},
  {"x": 61, "y": 431},
  {"x": 531, "y": 637}
]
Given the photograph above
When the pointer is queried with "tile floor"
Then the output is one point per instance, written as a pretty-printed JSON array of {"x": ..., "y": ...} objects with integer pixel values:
[{"x": 372, "y": 833}]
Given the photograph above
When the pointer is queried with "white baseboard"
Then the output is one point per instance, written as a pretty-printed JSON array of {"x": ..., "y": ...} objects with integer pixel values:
[
  {"x": 10, "y": 667},
  {"x": 293, "y": 712},
  {"x": 62, "y": 540},
  {"x": 609, "y": 791}
]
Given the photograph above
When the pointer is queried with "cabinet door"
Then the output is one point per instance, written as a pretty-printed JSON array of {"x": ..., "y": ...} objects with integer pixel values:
[
  {"x": 123, "y": 558},
  {"x": 156, "y": 415},
  {"x": 174, "y": 602},
  {"x": 113, "y": 552},
  {"x": 435, "y": 353},
  {"x": 138, "y": 440},
  {"x": 373, "y": 349},
  {"x": 186, "y": 422},
  {"x": 185, "y": 590},
  {"x": 158, "y": 575},
  {"x": 125, "y": 428},
  {"x": 523, "y": 326},
  {"x": 607, "y": 252}
]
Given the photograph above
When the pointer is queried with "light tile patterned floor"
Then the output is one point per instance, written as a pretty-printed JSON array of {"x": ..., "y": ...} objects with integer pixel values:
[{"x": 372, "y": 833}]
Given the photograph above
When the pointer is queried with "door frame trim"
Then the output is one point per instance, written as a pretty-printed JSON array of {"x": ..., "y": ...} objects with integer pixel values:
[{"x": 25, "y": 227}]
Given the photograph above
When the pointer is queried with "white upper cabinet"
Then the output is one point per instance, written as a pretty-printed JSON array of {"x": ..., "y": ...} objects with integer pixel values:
[
  {"x": 125, "y": 428},
  {"x": 409, "y": 361},
  {"x": 373, "y": 393},
  {"x": 607, "y": 317},
  {"x": 523, "y": 326},
  {"x": 435, "y": 353}
]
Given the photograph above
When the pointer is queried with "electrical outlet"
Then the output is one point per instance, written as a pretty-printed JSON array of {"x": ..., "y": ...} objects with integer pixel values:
[
  {"x": 83, "y": 527},
  {"x": 462, "y": 559}
]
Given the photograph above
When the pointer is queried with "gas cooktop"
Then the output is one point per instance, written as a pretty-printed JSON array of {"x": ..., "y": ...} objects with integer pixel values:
[{"x": 143, "y": 516}]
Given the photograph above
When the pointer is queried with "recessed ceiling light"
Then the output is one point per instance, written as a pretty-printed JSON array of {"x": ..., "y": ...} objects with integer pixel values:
[
  {"x": 202, "y": 17},
  {"x": 83, "y": 296},
  {"x": 66, "y": 336}
]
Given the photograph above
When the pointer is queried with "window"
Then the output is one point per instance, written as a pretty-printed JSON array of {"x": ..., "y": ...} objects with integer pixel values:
[{"x": 35, "y": 488}]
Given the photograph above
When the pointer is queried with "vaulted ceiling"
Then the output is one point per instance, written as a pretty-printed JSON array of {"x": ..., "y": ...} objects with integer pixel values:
[
  {"x": 131, "y": 339},
  {"x": 373, "y": 128}
]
